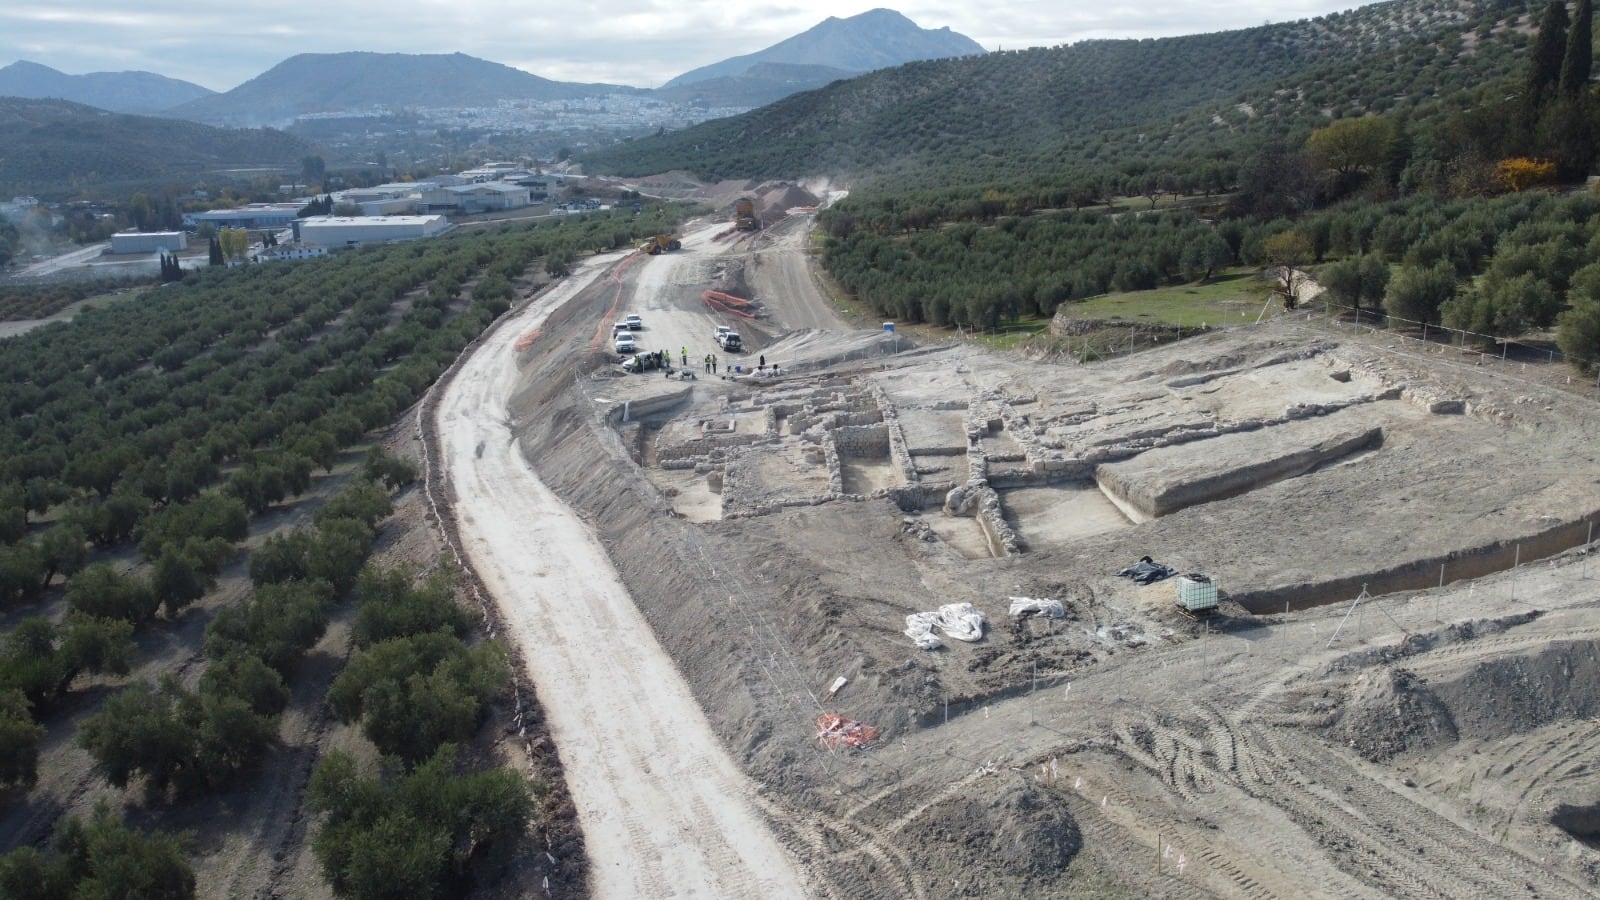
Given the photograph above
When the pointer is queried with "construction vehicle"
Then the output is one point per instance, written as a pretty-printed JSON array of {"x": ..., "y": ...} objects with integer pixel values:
[
  {"x": 744, "y": 215},
  {"x": 661, "y": 243}
]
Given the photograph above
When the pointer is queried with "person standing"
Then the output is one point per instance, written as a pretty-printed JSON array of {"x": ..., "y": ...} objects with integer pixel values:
[
  {"x": 762, "y": 363},
  {"x": 684, "y": 353},
  {"x": 707, "y": 362},
  {"x": 713, "y": 364}
]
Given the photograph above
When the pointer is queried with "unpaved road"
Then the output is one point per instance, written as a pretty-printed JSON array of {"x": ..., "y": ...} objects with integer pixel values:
[{"x": 664, "y": 810}]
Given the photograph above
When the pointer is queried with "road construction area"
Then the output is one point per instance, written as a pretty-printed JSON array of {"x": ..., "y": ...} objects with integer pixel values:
[{"x": 709, "y": 578}]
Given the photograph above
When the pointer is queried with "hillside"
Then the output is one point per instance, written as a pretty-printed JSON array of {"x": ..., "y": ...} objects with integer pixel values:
[
  {"x": 877, "y": 39},
  {"x": 1089, "y": 105},
  {"x": 125, "y": 92},
  {"x": 758, "y": 85},
  {"x": 47, "y": 145},
  {"x": 333, "y": 82}
]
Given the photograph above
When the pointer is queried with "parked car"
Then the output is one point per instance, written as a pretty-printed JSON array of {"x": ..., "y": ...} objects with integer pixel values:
[
  {"x": 625, "y": 343},
  {"x": 634, "y": 322}
]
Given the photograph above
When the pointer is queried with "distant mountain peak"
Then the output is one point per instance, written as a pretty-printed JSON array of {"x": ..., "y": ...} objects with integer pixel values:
[{"x": 876, "y": 39}]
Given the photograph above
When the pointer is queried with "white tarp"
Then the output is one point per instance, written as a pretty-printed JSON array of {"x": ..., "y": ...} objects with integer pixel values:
[
  {"x": 1030, "y": 606},
  {"x": 961, "y": 621}
]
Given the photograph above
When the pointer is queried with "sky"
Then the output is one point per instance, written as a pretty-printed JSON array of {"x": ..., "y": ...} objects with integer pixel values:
[{"x": 642, "y": 43}]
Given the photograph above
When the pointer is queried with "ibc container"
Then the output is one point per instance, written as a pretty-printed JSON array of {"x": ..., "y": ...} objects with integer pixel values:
[{"x": 1197, "y": 592}]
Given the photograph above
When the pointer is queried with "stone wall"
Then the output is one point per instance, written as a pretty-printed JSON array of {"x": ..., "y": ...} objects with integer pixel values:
[
  {"x": 862, "y": 441},
  {"x": 899, "y": 451}
]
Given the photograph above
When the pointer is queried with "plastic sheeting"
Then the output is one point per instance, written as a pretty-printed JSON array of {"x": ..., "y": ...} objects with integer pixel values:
[
  {"x": 1023, "y": 607},
  {"x": 1147, "y": 571},
  {"x": 834, "y": 730},
  {"x": 961, "y": 621}
]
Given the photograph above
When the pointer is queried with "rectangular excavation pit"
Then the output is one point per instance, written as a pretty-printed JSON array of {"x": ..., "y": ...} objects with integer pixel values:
[
  {"x": 1059, "y": 513},
  {"x": 934, "y": 431},
  {"x": 787, "y": 471},
  {"x": 863, "y": 475},
  {"x": 689, "y": 492},
  {"x": 963, "y": 534},
  {"x": 864, "y": 461}
]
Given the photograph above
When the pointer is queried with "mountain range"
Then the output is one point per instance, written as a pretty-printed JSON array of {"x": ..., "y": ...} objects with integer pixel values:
[
  {"x": 347, "y": 82},
  {"x": 48, "y": 144},
  {"x": 311, "y": 83},
  {"x": 124, "y": 92}
]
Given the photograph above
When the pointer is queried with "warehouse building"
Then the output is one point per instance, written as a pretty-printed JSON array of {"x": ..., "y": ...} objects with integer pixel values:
[
  {"x": 344, "y": 231},
  {"x": 475, "y": 198},
  {"x": 149, "y": 241},
  {"x": 253, "y": 216},
  {"x": 292, "y": 251}
]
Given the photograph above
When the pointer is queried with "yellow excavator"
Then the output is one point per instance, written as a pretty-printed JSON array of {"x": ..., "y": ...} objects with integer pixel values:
[{"x": 661, "y": 243}]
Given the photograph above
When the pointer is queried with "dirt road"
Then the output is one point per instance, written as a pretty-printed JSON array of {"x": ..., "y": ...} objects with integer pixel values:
[{"x": 664, "y": 810}]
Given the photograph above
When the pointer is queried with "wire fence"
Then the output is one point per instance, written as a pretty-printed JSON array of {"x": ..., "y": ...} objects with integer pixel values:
[
  {"x": 1485, "y": 347},
  {"x": 1110, "y": 341}
]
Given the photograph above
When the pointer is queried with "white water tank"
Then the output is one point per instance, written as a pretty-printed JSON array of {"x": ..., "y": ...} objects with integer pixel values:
[{"x": 1196, "y": 592}]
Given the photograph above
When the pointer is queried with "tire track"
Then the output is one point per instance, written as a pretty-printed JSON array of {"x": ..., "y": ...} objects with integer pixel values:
[
  {"x": 1500, "y": 645},
  {"x": 1401, "y": 845}
]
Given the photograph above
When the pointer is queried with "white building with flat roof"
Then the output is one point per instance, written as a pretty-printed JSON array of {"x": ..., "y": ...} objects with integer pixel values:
[
  {"x": 149, "y": 241},
  {"x": 292, "y": 251},
  {"x": 475, "y": 198},
  {"x": 342, "y": 231},
  {"x": 254, "y": 215}
]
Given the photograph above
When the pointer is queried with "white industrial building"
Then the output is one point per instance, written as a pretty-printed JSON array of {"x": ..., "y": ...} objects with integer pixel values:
[
  {"x": 475, "y": 198},
  {"x": 392, "y": 199},
  {"x": 292, "y": 251},
  {"x": 342, "y": 231},
  {"x": 254, "y": 215},
  {"x": 148, "y": 241}
]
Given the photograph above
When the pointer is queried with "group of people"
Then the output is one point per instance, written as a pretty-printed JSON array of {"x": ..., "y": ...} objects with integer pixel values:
[
  {"x": 712, "y": 363},
  {"x": 762, "y": 368}
]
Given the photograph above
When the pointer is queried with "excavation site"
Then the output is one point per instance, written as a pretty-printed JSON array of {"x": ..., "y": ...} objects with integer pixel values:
[{"x": 1291, "y": 609}]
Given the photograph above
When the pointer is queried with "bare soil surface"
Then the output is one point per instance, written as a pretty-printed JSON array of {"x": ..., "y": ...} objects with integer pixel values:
[{"x": 770, "y": 534}]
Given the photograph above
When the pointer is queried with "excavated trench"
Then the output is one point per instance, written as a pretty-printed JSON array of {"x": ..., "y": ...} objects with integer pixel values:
[{"x": 1581, "y": 823}]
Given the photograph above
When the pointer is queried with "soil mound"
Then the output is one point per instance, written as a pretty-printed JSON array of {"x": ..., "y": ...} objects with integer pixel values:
[
  {"x": 1514, "y": 694},
  {"x": 779, "y": 197},
  {"x": 1388, "y": 712},
  {"x": 1012, "y": 843}
]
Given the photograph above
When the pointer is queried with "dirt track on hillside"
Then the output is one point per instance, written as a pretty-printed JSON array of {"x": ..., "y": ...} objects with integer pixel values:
[{"x": 774, "y": 533}]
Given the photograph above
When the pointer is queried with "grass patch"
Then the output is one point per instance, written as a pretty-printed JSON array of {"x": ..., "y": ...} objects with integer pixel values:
[
  {"x": 1010, "y": 334},
  {"x": 1235, "y": 295}
]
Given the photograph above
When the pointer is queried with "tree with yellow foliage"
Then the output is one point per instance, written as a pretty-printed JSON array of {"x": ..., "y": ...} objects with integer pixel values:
[{"x": 1520, "y": 173}]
